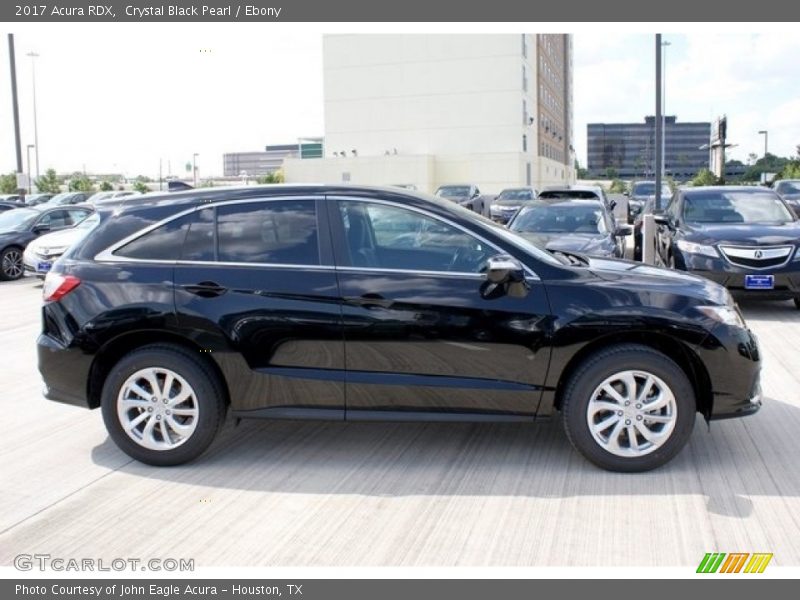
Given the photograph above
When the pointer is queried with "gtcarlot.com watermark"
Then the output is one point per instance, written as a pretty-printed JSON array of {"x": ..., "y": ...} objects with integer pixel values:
[{"x": 48, "y": 562}]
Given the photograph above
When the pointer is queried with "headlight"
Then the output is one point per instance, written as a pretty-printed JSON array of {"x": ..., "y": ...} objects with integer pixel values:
[
  {"x": 692, "y": 248},
  {"x": 729, "y": 315}
]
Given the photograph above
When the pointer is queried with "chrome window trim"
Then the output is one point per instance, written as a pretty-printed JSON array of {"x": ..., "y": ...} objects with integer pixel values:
[
  {"x": 424, "y": 212},
  {"x": 108, "y": 255}
]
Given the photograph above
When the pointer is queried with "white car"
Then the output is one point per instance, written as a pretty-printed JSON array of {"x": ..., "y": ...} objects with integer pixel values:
[
  {"x": 110, "y": 196},
  {"x": 42, "y": 252}
]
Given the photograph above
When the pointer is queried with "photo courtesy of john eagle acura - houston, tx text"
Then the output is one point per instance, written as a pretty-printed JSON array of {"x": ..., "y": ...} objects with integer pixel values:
[{"x": 342, "y": 302}]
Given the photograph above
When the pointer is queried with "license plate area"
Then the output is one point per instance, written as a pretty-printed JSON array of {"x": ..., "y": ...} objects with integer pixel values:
[
  {"x": 759, "y": 282},
  {"x": 43, "y": 267}
]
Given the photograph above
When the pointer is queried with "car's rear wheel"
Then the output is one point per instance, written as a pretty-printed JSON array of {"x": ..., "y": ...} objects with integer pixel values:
[
  {"x": 11, "y": 266},
  {"x": 628, "y": 408},
  {"x": 162, "y": 406}
]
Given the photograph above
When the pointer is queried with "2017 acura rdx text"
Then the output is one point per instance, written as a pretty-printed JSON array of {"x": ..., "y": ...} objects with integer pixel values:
[{"x": 365, "y": 304}]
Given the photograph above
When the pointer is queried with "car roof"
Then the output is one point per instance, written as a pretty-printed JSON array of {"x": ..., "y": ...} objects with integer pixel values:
[
  {"x": 572, "y": 202},
  {"x": 741, "y": 189}
]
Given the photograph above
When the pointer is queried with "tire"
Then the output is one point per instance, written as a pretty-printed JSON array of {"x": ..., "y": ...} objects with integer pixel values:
[
  {"x": 191, "y": 423},
  {"x": 668, "y": 435},
  {"x": 11, "y": 265}
]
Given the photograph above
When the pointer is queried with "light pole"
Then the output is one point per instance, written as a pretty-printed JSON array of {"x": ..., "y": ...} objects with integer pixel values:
[
  {"x": 194, "y": 168},
  {"x": 34, "y": 56},
  {"x": 664, "y": 44},
  {"x": 766, "y": 136},
  {"x": 30, "y": 185}
]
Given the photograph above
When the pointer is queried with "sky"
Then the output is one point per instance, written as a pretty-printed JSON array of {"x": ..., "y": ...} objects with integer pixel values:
[{"x": 119, "y": 97}]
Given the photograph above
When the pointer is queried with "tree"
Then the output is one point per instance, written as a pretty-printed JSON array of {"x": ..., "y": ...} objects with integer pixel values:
[
  {"x": 106, "y": 187},
  {"x": 617, "y": 187},
  {"x": 580, "y": 172},
  {"x": 274, "y": 177},
  {"x": 49, "y": 183},
  {"x": 8, "y": 183},
  {"x": 705, "y": 177},
  {"x": 611, "y": 173},
  {"x": 143, "y": 178},
  {"x": 80, "y": 183},
  {"x": 141, "y": 187}
]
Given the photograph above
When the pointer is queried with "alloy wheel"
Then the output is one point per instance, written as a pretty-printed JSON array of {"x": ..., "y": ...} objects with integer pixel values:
[
  {"x": 157, "y": 408},
  {"x": 12, "y": 264},
  {"x": 632, "y": 413}
]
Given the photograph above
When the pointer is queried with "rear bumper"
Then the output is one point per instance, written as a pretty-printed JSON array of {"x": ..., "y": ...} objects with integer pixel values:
[{"x": 65, "y": 371}]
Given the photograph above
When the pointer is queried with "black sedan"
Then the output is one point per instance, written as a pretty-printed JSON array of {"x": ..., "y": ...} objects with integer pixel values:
[
  {"x": 314, "y": 302},
  {"x": 744, "y": 238},
  {"x": 18, "y": 227},
  {"x": 578, "y": 226},
  {"x": 789, "y": 190}
]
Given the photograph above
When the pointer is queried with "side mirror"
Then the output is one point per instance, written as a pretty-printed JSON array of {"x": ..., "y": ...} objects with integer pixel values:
[
  {"x": 505, "y": 275},
  {"x": 661, "y": 219},
  {"x": 39, "y": 229},
  {"x": 612, "y": 204},
  {"x": 623, "y": 230}
]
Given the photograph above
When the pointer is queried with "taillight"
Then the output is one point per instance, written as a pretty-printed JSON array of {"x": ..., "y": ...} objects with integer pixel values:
[{"x": 56, "y": 286}]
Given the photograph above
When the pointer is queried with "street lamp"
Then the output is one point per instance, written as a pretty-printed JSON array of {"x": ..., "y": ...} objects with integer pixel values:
[
  {"x": 766, "y": 136},
  {"x": 34, "y": 56},
  {"x": 30, "y": 185},
  {"x": 194, "y": 168},
  {"x": 664, "y": 45}
]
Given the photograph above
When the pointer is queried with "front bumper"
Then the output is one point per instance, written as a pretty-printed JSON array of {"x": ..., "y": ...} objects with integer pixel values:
[
  {"x": 38, "y": 264},
  {"x": 786, "y": 277},
  {"x": 733, "y": 361},
  {"x": 502, "y": 215}
]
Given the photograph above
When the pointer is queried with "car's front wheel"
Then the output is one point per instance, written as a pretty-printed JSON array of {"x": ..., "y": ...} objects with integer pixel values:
[
  {"x": 162, "y": 406},
  {"x": 628, "y": 408},
  {"x": 11, "y": 266}
]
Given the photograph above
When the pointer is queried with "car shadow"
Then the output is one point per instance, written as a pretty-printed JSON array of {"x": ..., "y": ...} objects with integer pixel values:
[{"x": 738, "y": 459}]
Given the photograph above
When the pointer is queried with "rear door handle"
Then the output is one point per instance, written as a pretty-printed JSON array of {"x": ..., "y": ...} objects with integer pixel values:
[
  {"x": 205, "y": 289},
  {"x": 369, "y": 300}
]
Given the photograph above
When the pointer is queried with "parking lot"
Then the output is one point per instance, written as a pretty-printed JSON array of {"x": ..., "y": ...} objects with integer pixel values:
[{"x": 310, "y": 493}]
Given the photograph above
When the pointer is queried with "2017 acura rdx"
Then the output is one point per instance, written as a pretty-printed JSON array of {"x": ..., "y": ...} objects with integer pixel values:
[{"x": 352, "y": 303}]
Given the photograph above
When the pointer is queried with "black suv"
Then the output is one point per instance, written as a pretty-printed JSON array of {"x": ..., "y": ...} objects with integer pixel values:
[{"x": 350, "y": 303}]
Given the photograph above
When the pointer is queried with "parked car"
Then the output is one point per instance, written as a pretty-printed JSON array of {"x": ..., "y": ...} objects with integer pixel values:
[
  {"x": 112, "y": 196},
  {"x": 66, "y": 198},
  {"x": 576, "y": 192},
  {"x": 35, "y": 199},
  {"x": 41, "y": 253},
  {"x": 744, "y": 238},
  {"x": 642, "y": 191},
  {"x": 168, "y": 314},
  {"x": 508, "y": 202},
  {"x": 4, "y": 206},
  {"x": 577, "y": 226},
  {"x": 19, "y": 227},
  {"x": 467, "y": 195},
  {"x": 789, "y": 190},
  {"x": 11, "y": 198}
]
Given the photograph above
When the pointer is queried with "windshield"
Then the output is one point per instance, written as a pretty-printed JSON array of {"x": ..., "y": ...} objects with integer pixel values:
[
  {"x": 59, "y": 198},
  {"x": 89, "y": 222},
  {"x": 560, "y": 219},
  {"x": 648, "y": 188},
  {"x": 516, "y": 194},
  {"x": 735, "y": 207},
  {"x": 17, "y": 219},
  {"x": 453, "y": 191},
  {"x": 788, "y": 187},
  {"x": 568, "y": 195}
]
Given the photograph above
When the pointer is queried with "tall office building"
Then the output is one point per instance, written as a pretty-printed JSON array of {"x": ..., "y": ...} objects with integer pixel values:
[
  {"x": 629, "y": 148},
  {"x": 427, "y": 110}
]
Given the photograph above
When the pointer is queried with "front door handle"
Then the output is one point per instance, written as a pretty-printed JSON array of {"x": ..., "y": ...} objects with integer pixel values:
[
  {"x": 369, "y": 300},
  {"x": 205, "y": 289}
]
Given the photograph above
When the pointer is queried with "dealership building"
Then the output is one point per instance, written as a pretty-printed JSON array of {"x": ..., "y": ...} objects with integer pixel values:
[
  {"x": 256, "y": 164},
  {"x": 428, "y": 110},
  {"x": 629, "y": 148}
]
